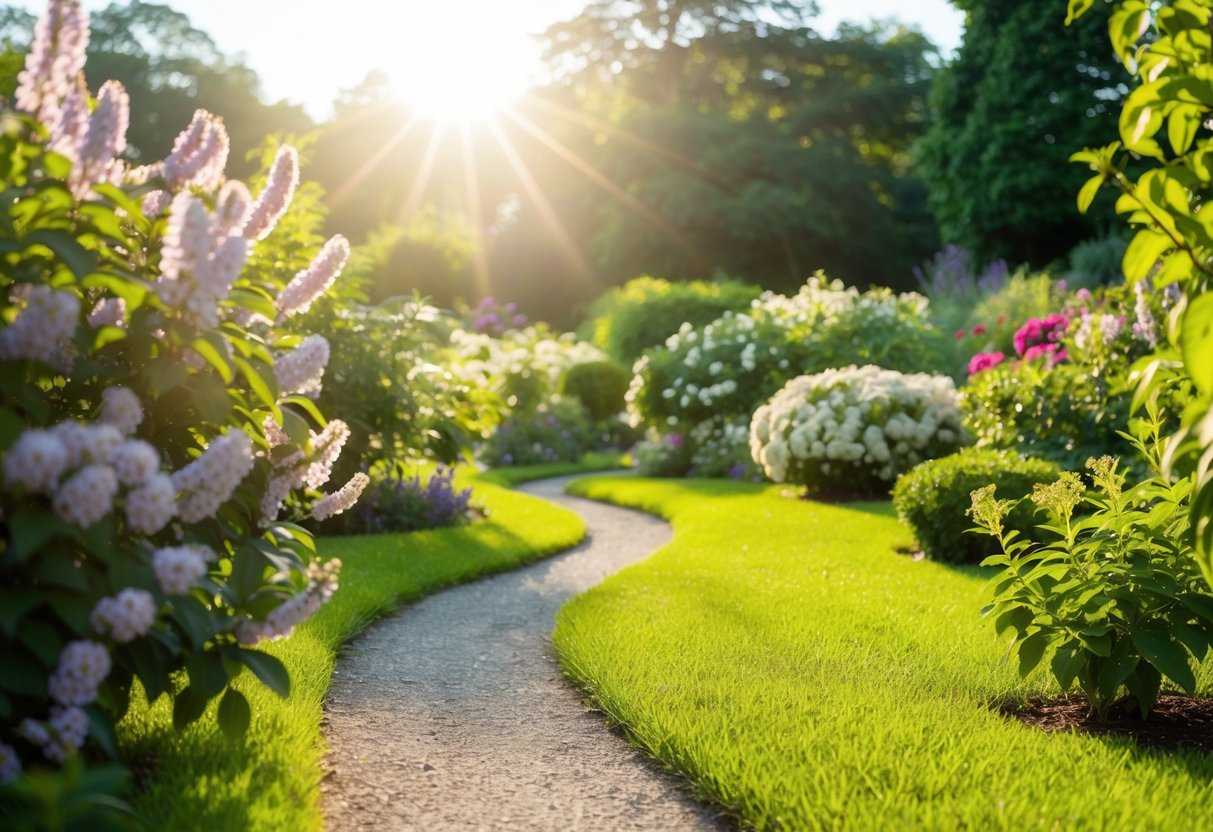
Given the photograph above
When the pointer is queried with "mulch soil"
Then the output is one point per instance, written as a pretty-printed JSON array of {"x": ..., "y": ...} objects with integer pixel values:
[{"x": 1177, "y": 723}]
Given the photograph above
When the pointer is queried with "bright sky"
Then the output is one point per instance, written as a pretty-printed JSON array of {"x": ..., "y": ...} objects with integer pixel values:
[{"x": 307, "y": 50}]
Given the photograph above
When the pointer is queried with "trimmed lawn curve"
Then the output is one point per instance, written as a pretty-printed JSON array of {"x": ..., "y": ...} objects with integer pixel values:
[
  {"x": 269, "y": 780},
  {"x": 803, "y": 675}
]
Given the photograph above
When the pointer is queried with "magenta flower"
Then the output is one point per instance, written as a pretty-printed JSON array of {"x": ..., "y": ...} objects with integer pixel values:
[
  {"x": 984, "y": 361},
  {"x": 1036, "y": 331}
]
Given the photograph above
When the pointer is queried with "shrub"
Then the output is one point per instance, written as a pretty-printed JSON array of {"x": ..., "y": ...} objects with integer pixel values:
[
  {"x": 397, "y": 502},
  {"x": 1023, "y": 296},
  {"x": 645, "y": 311},
  {"x": 851, "y": 432},
  {"x": 156, "y": 420},
  {"x": 721, "y": 448},
  {"x": 729, "y": 367},
  {"x": 666, "y": 455},
  {"x": 1116, "y": 599},
  {"x": 600, "y": 386},
  {"x": 933, "y": 500},
  {"x": 555, "y": 431},
  {"x": 1095, "y": 263}
]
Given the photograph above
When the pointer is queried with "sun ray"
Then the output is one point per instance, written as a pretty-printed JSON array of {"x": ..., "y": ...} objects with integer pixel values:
[
  {"x": 417, "y": 192},
  {"x": 574, "y": 255},
  {"x": 471, "y": 185},
  {"x": 364, "y": 170},
  {"x": 627, "y": 200}
]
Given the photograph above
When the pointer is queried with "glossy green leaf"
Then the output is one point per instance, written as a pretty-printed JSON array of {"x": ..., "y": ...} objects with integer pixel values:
[
  {"x": 1168, "y": 656},
  {"x": 268, "y": 669},
  {"x": 1196, "y": 342},
  {"x": 234, "y": 714}
]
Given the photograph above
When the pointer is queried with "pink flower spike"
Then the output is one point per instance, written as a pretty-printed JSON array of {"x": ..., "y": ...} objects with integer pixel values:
[
  {"x": 315, "y": 280},
  {"x": 55, "y": 59},
  {"x": 199, "y": 154},
  {"x": 273, "y": 200}
]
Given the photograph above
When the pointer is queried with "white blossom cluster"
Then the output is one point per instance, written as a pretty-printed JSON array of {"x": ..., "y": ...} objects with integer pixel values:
[
  {"x": 125, "y": 616},
  {"x": 281, "y": 622},
  {"x": 202, "y": 254},
  {"x": 274, "y": 198},
  {"x": 55, "y": 60},
  {"x": 108, "y": 312},
  {"x": 482, "y": 360},
  {"x": 59, "y": 736},
  {"x": 315, "y": 280},
  {"x": 10, "y": 764},
  {"x": 209, "y": 481},
  {"x": 42, "y": 328},
  {"x": 302, "y": 369},
  {"x": 83, "y": 666},
  {"x": 298, "y": 469},
  {"x": 179, "y": 568},
  {"x": 343, "y": 499},
  {"x": 854, "y": 424},
  {"x": 199, "y": 154}
]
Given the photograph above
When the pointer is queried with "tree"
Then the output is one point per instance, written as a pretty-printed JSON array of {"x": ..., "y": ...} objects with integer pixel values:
[
  {"x": 1022, "y": 93},
  {"x": 170, "y": 68}
]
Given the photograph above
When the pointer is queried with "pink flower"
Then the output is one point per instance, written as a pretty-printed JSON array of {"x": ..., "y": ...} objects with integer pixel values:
[
  {"x": 984, "y": 361},
  {"x": 274, "y": 198},
  {"x": 54, "y": 61},
  {"x": 315, "y": 280},
  {"x": 961, "y": 333},
  {"x": 1036, "y": 331},
  {"x": 980, "y": 329},
  {"x": 1053, "y": 353}
]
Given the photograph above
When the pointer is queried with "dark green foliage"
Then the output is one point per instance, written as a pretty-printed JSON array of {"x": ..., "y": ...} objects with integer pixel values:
[
  {"x": 399, "y": 500},
  {"x": 1097, "y": 262},
  {"x": 599, "y": 385},
  {"x": 933, "y": 498},
  {"x": 644, "y": 312},
  {"x": 555, "y": 431},
  {"x": 1022, "y": 95}
]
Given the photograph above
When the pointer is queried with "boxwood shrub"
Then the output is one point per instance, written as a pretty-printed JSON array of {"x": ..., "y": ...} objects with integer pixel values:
[{"x": 933, "y": 497}]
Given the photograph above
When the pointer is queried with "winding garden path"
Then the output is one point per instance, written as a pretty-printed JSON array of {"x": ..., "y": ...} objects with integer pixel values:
[{"x": 453, "y": 715}]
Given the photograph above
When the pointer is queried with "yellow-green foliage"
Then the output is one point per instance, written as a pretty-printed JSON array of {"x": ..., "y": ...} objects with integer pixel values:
[{"x": 802, "y": 674}]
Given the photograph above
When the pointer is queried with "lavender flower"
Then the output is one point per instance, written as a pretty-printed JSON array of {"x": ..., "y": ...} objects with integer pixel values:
[
  {"x": 341, "y": 500},
  {"x": 279, "y": 188},
  {"x": 315, "y": 280},
  {"x": 301, "y": 370},
  {"x": 55, "y": 59},
  {"x": 199, "y": 154}
]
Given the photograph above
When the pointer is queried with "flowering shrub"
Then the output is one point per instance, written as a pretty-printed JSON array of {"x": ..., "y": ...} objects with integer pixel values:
[
  {"x": 933, "y": 500},
  {"x": 721, "y": 448},
  {"x": 1113, "y": 600},
  {"x": 398, "y": 502},
  {"x": 851, "y": 432},
  {"x": 644, "y": 312},
  {"x": 658, "y": 455},
  {"x": 733, "y": 364},
  {"x": 1070, "y": 411},
  {"x": 493, "y": 318},
  {"x": 154, "y": 420},
  {"x": 1021, "y": 297},
  {"x": 558, "y": 430}
]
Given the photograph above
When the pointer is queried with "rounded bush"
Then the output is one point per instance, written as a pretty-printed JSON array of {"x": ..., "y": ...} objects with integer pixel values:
[
  {"x": 599, "y": 385},
  {"x": 849, "y": 433},
  {"x": 933, "y": 498},
  {"x": 643, "y": 312}
]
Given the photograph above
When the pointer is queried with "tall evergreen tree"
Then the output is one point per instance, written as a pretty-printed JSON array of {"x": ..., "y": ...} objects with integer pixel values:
[{"x": 1024, "y": 92}]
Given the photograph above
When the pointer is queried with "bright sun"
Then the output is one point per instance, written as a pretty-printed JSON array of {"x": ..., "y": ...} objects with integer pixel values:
[{"x": 459, "y": 60}]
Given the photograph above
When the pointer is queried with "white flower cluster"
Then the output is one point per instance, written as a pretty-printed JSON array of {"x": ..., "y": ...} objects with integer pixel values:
[
  {"x": 10, "y": 764},
  {"x": 55, "y": 59},
  {"x": 108, "y": 312},
  {"x": 302, "y": 369},
  {"x": 202, "y": 255},
  {"x": 342, "y": 499},
  {"x": 854, "y": 427},
  {"x": 121, "y": 408},
  {"x": 199, "y": 154},
  {"x": 125, "y": 616},
  {"x": 315, "y": 280},
  {"x": 83, "y": 666},
  {"x": 179, "y": 568},
  {"x": 209, "y": 481},
  {"x": 273, "y": 200},
  {"x": 281, "y": 622},
  {"x": 483, "y": 361},
  {"x": 296, "y": 470},
  {"x": 43, "y": 328},
  {"x": 60, "y": 736}
]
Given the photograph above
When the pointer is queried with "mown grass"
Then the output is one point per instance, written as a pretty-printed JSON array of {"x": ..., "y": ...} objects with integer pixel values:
[
  {"x": 799, "y": 672},
  {"x": 590, "y": 463},
  {"x": 270, "y": 779}
]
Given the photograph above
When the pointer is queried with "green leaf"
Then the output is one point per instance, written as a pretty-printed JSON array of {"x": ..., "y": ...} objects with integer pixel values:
[
  {"x": 75, "y": 256},
  {"x": 1196, "y": 341},
  {"x": 1114, "y": 671},
  {"x": 1066, "y": 663},
  {"x": 1144, "y": 250},
  {"x": 14, "y": 603},
  {"x": 1031, "y": 651},
  {"x": 1170, "y": 658},
  {"x": 207, "y": 674},
  {"x": 193, "y": 618},
  {"x": 268, "y": 669},
  {"x": 260, "y": 385},
  {"x": 215, "y": 358},
  {"x": 1076, "y": 9},
  {"x": 1017, "y": 618},
  {"x": 234, "y": 714},
  {"x": 188, "y": 706},
  {"x": 1086, "y": 195}
]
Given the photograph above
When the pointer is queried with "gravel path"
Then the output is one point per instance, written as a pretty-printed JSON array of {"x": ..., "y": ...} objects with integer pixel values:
[{"x": 453, "y": 715}]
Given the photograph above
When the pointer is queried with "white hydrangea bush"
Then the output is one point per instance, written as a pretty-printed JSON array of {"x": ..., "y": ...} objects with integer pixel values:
[
  {"x": 851, "y": 432},
  {"x": 153, "y": 420}
]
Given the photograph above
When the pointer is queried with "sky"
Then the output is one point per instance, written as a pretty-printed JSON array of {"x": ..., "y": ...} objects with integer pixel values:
[{"x": 306, "y": 51}]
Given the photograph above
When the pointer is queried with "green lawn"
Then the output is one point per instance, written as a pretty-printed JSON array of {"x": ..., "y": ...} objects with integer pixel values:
[
  {"x": 269, "y": 780},
  {"x": 797, "y": 671}
]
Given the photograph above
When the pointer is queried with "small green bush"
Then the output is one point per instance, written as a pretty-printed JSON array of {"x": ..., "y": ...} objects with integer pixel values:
[
  {"x": 932, "y": 499},
  {"x": 644, "y": 312},
  {"x": 599, "y": 385}
]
